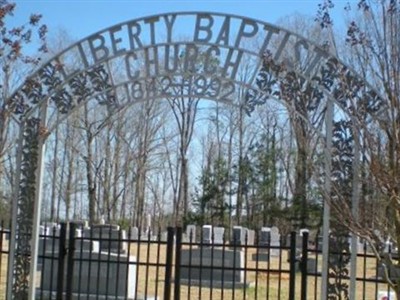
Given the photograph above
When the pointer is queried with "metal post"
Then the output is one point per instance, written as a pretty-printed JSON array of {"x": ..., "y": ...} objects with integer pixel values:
[
  {"x": 304, "y": 263},
  {"x": 38, "y": 201},
  {"x": 292, "y": 262},
  {"x": 70, "y": 260},
  {"x": 61, "y": 261},
  {"x": 16, "y": 191},
  {"x": 178, "y": 248},
  {"x": 168, "y": 263},
  {"x": 355, "y": 199},
  {"x": 327, "y": 211}
]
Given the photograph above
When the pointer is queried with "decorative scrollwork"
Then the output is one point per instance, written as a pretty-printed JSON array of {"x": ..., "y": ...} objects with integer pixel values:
[
  {"x": 342, "y": 175},
  {"x": 26, "y": 199},
  {"x": 51, "y": 77},
  {"x": 100, "y": 80}
]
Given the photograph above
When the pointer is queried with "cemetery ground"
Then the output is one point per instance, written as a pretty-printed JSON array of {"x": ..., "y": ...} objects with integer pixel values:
[{"x": 265, "y": 285}]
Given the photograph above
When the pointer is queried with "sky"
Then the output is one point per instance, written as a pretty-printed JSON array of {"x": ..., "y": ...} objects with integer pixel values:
[{"x": 81, "y": 18}]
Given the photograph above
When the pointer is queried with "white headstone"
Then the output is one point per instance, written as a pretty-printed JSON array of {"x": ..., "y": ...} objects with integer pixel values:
[
  {"x": 42, "y": 230},
  {"x": 164, "y": 236},
  {"x": 78, "y": 233},
  {"x": 388, "y": 246},
  {"x": 304, "y": 230},
  {"x": 207, "y": 234},
  {"x": 384, "y": 295},
  {"x": 250, "y": 237},
  {"x": 148, "y": 221}
]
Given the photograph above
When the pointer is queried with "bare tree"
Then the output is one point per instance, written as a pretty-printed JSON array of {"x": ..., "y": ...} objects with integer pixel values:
[
  {"x": 373, "y": 49},
  {"x": 184, "y": 110},
  {"x": 14, "y": 62}
]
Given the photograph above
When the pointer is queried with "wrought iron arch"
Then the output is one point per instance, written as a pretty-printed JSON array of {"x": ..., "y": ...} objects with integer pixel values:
[{"x": 144, "y": 49}]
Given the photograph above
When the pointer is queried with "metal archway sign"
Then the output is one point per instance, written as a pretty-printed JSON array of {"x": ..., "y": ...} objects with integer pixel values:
[{"x": 147, "y": 51}]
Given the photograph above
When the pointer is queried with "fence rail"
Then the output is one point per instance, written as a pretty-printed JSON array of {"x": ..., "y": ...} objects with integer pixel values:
[{"x": 108, "y": 263}]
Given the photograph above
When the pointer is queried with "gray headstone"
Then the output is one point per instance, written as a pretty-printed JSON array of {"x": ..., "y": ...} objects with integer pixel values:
[
  {"x": 238, "y": 235},
  {"x": 218, "y": 235},
  {"x": 299, "y": 238},
  {"x": 265, "y": 236},
  {"x": 48, "y": 245},
  {"x": 207, "y": 234},
  {"x": 224, "y": 266},
  {"x": 107, "y": 275},
  {"x": 191, "y": 233},
  {"x": 134, "y": 233},
  {"x": 275, "y": 241},
  {"x": 110, "y": 238},
  {"x": 87, "y": 245},
  {"x": 393, "y": 271},
  {"x": 164, "y": 236}
]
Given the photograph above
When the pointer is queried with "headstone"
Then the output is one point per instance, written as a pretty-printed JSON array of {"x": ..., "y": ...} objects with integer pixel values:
[
  {"x": 218, "y": 235},
  {"x": 42, "y": 230},
  {"x": 51, "y": 228},
  {"x": 86, "y": 224},
  {"x": 312, "y": 265},
  {"x": 303, "y": 230},
  {"x": 164, "y": 236},
  {"x": 275, "y": 241},
  {"x": 79, "y": 224},
  {"x": 379, "y": 236},
  {"x": 134, "y": 233},
  {"x": 191, "y": 233},
  {"x": 111, "y": 238},
  {"x": 148, "y": 227},
  {"x": 238, "y": 235},
  {"x": 360, "y": 245},
  {"x": 78, "y": 233},
  {"x": 388, "y": 246},
  {"x": 207, "y": 234},
  {"x": 299, "y": 242},
  {"x": 250, "y": 237},
  {"x": 87, "y": 245},
  {"x": 265, "y": 237},
  {"x": 50, "y": 224},
  {"x": 225, "y": 267},
  {"x": 96, "y": 274},
  {"x": 48, "y": 245},
  {"x": 393, "y": 272}
]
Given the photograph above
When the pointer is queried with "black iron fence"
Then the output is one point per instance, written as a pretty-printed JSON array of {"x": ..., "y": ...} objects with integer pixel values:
[{"x": 107, "y": 263}]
